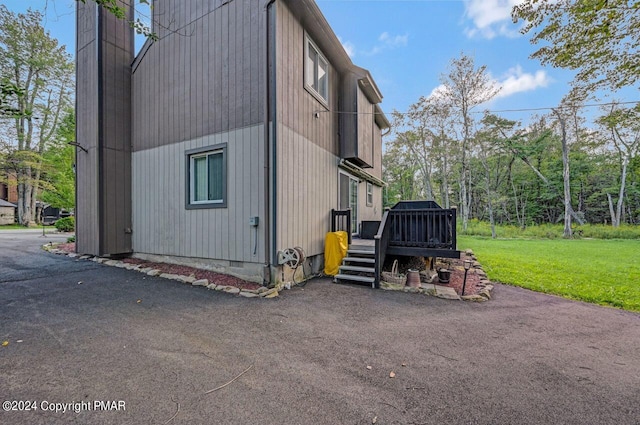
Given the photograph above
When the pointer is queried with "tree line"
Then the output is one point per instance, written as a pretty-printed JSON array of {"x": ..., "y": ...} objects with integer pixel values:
[{"x": 554, "y": 168}]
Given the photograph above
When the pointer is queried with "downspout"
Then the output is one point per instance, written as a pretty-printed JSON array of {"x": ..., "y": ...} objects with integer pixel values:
[{"x": 270, "y": 143}]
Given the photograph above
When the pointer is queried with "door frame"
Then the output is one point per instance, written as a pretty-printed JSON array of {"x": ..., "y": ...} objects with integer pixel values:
[{"x": 354, "y": 211}]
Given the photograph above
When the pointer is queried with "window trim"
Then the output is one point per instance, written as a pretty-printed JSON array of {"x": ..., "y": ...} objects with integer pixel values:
[
  {"x": 369, "y": 193},
  {"x": 309, "y": 87},
  {"x": 189, "y": 155}
]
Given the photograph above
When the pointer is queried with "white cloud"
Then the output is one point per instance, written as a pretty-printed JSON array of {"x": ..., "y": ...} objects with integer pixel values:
[
  {"x": 517, "y": 81},
  {"x": 514, "y": 81},
  {"x": 387, "y": 41},
  {"x": 490, "y": 18},
  {"x": 348, "y": 46}
]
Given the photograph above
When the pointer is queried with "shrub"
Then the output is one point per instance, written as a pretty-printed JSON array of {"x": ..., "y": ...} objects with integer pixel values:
[
  {"x": 67, "y": 224},
  {"x": 71, "y": 239}
]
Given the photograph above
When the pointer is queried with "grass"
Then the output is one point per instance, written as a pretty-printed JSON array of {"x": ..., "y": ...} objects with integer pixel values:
[
  {"x": 605, "y": 272},
  {"x": 552, "y": 231},
  {"x": 14, "y": 227}
]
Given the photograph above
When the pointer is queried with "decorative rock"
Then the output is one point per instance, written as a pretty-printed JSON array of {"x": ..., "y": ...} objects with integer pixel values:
[
  {"x": 212, "y": 286},
  {"x": 486, "y": 294},
  {"x": 85, "y": 257},
  {"x": 221, "y": 287},
  {"x": 262, "y": 289},
  {"x": 446, "y": 293},
  {"x": 120, "y": 264},
  {"x": 187, "y": 279},
  {"x": 72, "y": 254},
  {"x": 145, "y": 270},
  {"x": 468, "y": 251},
  {"x": 476, "y": 298},
  {"x": 271, "y": 295},
  {"x": 268, "y": 292},
  {"x": 201, "y": 282},
  {"x": 391, "y": 286},
  {"x": 247, "y": 294},
  {"x": 411, "y": 290},
  {"x": 232, "y": 290},
  {"x": 154, "y": 272}
]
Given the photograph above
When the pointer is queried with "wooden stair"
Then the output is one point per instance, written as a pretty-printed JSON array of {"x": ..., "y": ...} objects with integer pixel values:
[{"x": 358, "y": 266}]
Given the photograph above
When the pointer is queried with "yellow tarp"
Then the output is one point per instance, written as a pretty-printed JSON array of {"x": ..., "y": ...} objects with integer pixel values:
[{"x": 335, "y": 249}]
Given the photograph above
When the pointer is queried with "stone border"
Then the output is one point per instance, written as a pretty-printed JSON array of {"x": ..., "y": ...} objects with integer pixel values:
[
  {"x": 262, "y": 292},
  {"x": 448, "y": 293}
]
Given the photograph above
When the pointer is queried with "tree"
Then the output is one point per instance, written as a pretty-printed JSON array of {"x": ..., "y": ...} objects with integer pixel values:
[
  {"x": 623, "y": 125},
  {"x": 464, "y": 88},
  {"x": 58, "y": 166},
  {"x": 598, "y": 38},
  {"x": 32, "y": 61},
  {"x": 114, "y": 7}
]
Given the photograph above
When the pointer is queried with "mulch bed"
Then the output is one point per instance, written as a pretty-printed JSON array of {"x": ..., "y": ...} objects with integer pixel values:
[{"x": 213, "y": 277}]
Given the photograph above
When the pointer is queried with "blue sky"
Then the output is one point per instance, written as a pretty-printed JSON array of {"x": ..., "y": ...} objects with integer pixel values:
[{"x": 407, "y": 44}]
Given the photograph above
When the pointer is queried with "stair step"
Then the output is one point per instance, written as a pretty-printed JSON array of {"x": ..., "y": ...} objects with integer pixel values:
[
  {"x": 355, "y": 278},
  {"x": 359, "y": 260},
  {"x": 357, "y": 269},
  {"x": 360, "y": 252}
]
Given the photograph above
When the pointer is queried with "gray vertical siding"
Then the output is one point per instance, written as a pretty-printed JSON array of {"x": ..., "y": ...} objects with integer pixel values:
[
  {"x": 87, "y": 235},
  {"x": 199, "y": 85},
  {"x": 365, "y": 128},
  {"x": 296, "y": 106},
  {"x": 103, "y": 115},
  {"x": 307, "y": 146},
  {"x": 163, "y": 226},
  {"x": 205, "y": 76}
]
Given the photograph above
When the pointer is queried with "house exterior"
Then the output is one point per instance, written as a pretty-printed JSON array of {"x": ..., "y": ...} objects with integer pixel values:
[
  {"x": 227, "y": 140},
  {"x": 7, "y": 212}
]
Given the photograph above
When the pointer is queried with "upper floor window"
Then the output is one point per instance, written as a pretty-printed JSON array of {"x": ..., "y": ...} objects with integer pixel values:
[{"x": 316, "y": 71}]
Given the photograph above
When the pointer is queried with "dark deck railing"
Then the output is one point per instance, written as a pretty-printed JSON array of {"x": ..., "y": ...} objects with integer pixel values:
[
  {"x": 381, "y": 243},
  {"x": 425, "y": 232},
  {"x": 425, "y": 228},
  {"x": 341, "y": 221}
]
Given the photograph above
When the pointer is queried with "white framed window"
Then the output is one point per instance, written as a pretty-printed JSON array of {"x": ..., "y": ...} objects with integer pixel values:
[
  {"x": 207, "y": 177},
  {"x": 369, "y": 194},
  {"x": 316, "y": 71}
]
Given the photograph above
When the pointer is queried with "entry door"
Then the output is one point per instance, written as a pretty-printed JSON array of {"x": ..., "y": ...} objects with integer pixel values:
[{"x": 349, "y": 198}]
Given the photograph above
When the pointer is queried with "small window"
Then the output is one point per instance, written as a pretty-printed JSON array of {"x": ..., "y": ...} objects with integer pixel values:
[
  {"x": 207, "y": 177},
  {"x": 369, "y": 194},
  {"x": 316, "y": 72}
]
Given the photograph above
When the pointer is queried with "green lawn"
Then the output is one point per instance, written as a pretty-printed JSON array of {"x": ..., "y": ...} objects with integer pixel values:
[
  {"x": 14, "y": 227},
  {"x": 605, "y": 272}
]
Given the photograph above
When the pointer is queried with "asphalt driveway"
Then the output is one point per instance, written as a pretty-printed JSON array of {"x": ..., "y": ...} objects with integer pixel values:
[{"x": 83, "y": 332}]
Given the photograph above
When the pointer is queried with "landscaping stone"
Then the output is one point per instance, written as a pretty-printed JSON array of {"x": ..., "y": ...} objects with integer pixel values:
[
  {"x": 391, "y": 286},
  {"x": 154, "y": 272},
  {"x": 248, "y": 294},
  {"x": 446, "y": 293},
  {"x": 272, "y": 295},
  {"x": 85, "y": 257},
  {"x": 201, "y": 282},
  {"x": 110, "y": 262},
  {"x": 221, "y": 287},
  {"x": 262, "y": 289},
  {"x": 475, "y": 298},
  {"x": 212, "y": 286},
  {"x": 187, "y": 279},
  {"x": 232, "y": 290},
  {"x": 72, "y": 255},
  {"x": 268, "y": 292}
]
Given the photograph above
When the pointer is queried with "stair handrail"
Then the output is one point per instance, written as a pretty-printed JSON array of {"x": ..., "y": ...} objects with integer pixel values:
[{"x": 381, "y": 243}]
